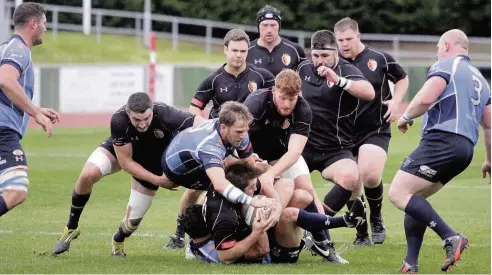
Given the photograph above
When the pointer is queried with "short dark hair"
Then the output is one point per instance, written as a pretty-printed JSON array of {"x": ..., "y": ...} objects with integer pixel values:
[
  {"x": 232, "y": 111},
  {"x": 139, "y": 102},
  {"x": 194, "y": 223},
  {"x": 346, "y": 23},
  {"x": 26, "y": 11},
  {"x": 322, "y": 38},
  {"x": 239, "y": 174},
  {"x": 235, "y": 35}
]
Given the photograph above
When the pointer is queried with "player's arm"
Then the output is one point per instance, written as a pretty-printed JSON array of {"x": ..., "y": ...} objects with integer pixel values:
[
  {"x": 486, "y": 133},
  {"x": 240, "y": 248},
  {"x": 203, "y": 95},
  {"x": 259, "y": 249},
  {"x": 426, "y": 96},
  {"x": 124, "y": 155},
  {"x": 351, "y": 81},
  {"x": 9, "y": 84}
]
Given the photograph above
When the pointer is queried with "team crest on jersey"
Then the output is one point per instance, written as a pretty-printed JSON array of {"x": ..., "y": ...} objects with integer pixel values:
[
  {"x": 252, "y": 86},
  {"x": 372, "y": 64},
  {"x": 158, "y": 133},
  {"x": 286, "y": 59},
  {"x": 285, "y": 124}
]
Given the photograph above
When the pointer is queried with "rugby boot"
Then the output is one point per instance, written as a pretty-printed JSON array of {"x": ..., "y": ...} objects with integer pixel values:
[
  {"x": 324, "y": 249},
  {"x": 362, "y": 240},
  {"x": 118, "y": 248},
  {"x": 356, "y": 216},
  {"x": 407, "y": 268},
  {"x": 63, "y": 243},
  {"x": 378, "y": 230},
  {"x": 175, "y": 242},
  {"x": 454, "y": 246}
]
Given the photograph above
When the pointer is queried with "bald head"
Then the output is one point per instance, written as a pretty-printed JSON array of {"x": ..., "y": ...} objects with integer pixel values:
[{"x": 453, "y": 42}]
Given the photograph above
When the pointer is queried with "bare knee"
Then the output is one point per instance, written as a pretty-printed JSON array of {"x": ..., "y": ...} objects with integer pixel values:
[
  {"x": 289, "y": 215},
  {"x": 371, "y": 178},
  {"x": 13, "y": 198},
  {"x": 396, "y": 196},
  {"x": 348, "y": 180},
  {"x": 88, "y": 177},
  {"x": 300, "y": 199}
]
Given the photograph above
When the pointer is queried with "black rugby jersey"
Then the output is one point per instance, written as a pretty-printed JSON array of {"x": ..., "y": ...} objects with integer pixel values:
[
  {"x": 333, "y": 108},
  {"x": 378, "y": 67},
  {"x": 287, "y": 54},
  {"x": 221, "y": 86},
  {"x": 270, "y": 131}
]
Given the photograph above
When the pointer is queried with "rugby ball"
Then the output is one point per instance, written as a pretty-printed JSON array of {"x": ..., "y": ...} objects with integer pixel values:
[{"x": 249, "y": 212}]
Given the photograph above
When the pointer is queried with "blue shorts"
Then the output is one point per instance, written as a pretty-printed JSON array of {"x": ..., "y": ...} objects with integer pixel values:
[{"x": 440, "y": 157}]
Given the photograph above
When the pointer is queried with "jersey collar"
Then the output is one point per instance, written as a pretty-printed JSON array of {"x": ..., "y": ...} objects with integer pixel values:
[{"x": 19, "y": 37}]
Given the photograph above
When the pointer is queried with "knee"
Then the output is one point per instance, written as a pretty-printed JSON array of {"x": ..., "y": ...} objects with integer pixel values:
[
  {"x": 289, "y": 215},
  {"x": 18, "y": 197},
  {"x": 301, "y": 199},
  {"x": 348, "y": 180},
  {"x": 395, "y": 196},
  {"x": 90, "y": 175},
  {"x": 371, "y": 178}
]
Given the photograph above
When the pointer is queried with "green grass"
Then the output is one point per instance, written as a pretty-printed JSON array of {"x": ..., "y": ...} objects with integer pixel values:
[
  {"x": 28, "y": 233},
  {"x": 74, "y": 47}
]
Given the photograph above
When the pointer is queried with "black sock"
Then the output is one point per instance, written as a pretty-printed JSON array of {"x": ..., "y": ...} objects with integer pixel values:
[
  {"x": 361, "y": 229},
  {"x": 120, "y": 235},
  {"x": 375, "y": 199},
  {"x": 421, "y": 210},
  {"x": 318, "y": 236},
  {"x": 336, "y": 199},
  {"x": 414, "y": 231},
  {"x": 3, "y": 207},
  {"x": 314, "y": 222},
  {"x": 179, "y": 227},
  {"x": 78, "y": 204}
]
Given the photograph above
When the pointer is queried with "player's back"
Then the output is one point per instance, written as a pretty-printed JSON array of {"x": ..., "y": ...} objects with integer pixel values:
[
  {"x": 460, "y": 107},
  {"x": 17, "y": 54}
]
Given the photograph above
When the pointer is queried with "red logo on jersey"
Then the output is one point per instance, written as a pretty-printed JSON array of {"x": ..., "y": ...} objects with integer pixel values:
[
  {"x": 252, "y": 86},
  {"x": 286, "y": 124},
  {"x": 372, "y": 64},
  {"x": 286, "y": 59}
]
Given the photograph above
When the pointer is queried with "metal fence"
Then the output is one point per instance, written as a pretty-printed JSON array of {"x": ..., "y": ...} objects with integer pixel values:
[{"x": 409, "y": 49}]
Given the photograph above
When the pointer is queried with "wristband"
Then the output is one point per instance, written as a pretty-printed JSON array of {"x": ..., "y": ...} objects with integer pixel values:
[
  {"x": 233, "y": 194},
  {"x": 343, "y": 83},
  {"x": 405, "y": 118}
]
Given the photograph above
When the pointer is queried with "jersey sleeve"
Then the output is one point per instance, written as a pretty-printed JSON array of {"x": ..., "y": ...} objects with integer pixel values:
[
  {"x": 211, "y": 155},
  {"x": 351, "y": 72},
  {"x": 204, "y": 93},
  {"x": 256, "y": 104},
  {"x": 18, "y": 55},
  {"x": 175, "y": 119},
  {"x": 302, "y": 124},
  {"x": 119, "y": 130},
  {"x": 224, "y": 230},
  {"x": 268, "y": 78},
  {"x": 245, "y": 149},
  {"x": 441, "y": 68},
  {"x": 394, "y": 70}
]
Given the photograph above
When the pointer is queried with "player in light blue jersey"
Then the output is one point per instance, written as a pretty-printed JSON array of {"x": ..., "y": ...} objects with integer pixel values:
[
  {"x": 16, "y": 92},
  {"x": 195, "y": 158},
  {"x": 455, "y": 99}
]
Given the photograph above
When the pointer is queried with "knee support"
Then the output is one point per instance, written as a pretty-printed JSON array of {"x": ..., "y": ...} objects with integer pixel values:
[
  {"x": 101, "y": 161},
  {"x": 137, "y": 207},
  {"x": 14, "y": 179}
]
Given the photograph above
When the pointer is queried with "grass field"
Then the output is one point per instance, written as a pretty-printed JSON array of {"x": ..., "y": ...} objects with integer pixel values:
[
  {"x": 28, "y": 233},
  {"x": 115, "y": 49}
]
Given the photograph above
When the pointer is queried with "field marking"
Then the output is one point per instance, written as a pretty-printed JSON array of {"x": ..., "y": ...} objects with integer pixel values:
[{"x": 165, "y": 236}]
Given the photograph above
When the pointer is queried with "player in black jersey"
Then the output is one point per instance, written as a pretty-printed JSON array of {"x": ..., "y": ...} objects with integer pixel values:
[
  {"x": 140, "y": 132},
  {"x": 373, "y": 118},
  {"x": 270, "y": 51},
  {"x": 333, "y": 87},
  {"x": 233, "y": 81}
]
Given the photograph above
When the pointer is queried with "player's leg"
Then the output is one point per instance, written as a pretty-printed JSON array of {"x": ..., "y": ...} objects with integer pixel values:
[
  {"x": 176, "y": 241},
  {"x": 140, "y": 201},
  {"x": 13, "y": 188},
  {"x": 438, "y": 158},
  {"x": 100, "y": 163},
  {"x": 371, "y": 160}
]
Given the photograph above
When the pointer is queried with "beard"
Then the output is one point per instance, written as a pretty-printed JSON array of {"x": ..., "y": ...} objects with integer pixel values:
[{"x": 37, "y": 41}]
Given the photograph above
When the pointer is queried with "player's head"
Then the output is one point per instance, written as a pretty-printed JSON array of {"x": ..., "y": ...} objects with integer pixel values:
[
  {"x": 139, "y": 110},
  {"x": 243, "y": 176},
  {"x": 236, "y": 44},
  {"x": 286, "y": 91},
  {"x": 348, "y": 37},
  {"x": 324, "y": 50},
  {"x": 234, "y": 120},
  {"x": 453, "y": 42},
  {"x": 30, "y": 18},
  {"x": 193, "y": 222},
  {"x": 268, "y": 20}
]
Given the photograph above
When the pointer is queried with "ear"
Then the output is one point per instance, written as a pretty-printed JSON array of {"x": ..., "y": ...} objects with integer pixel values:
[{"x": 225, "y": 50}]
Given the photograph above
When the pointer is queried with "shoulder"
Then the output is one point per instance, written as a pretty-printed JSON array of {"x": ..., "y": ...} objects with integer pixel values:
[
  {"x": 306, "y": 64},
  {"x": 294, "y": 46},
  {"x": 253, "y": 44},
  {"x": 261, "y": 71},
  {"x": 303, "y": 106}
]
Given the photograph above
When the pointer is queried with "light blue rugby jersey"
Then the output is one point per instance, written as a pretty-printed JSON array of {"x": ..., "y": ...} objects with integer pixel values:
[
  {"x": 16, "y": 53},
  {"x": 460, "y": 107}
]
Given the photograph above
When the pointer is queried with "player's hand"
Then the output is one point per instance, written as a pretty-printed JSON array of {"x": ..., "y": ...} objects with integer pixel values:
[
  {"x": 260, "y": 225},
  {"x": 51, "y": 114},
  {"x": 274, "y": 216},
  {"x": 486, "y": 170},
  {"x": 393, "y": 108},
  {"x": 328, "y": 73},
  {"x": 403, "y": 125},
  {"x": 45, "y": 122},
  {"x": 263, "y": 203},
  {"x": 164, "y": 182}
]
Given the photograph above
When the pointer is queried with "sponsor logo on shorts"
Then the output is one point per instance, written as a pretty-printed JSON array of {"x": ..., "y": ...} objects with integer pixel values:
[
  {"x": 2, "y": 161},
  {"x": 427, "y": 171},
  {"x": 216, "y": 161},
  {"x": 158, "y": 133},
  {"x": 17, "y": 152},
  {"x": 407, "y": 162}
]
